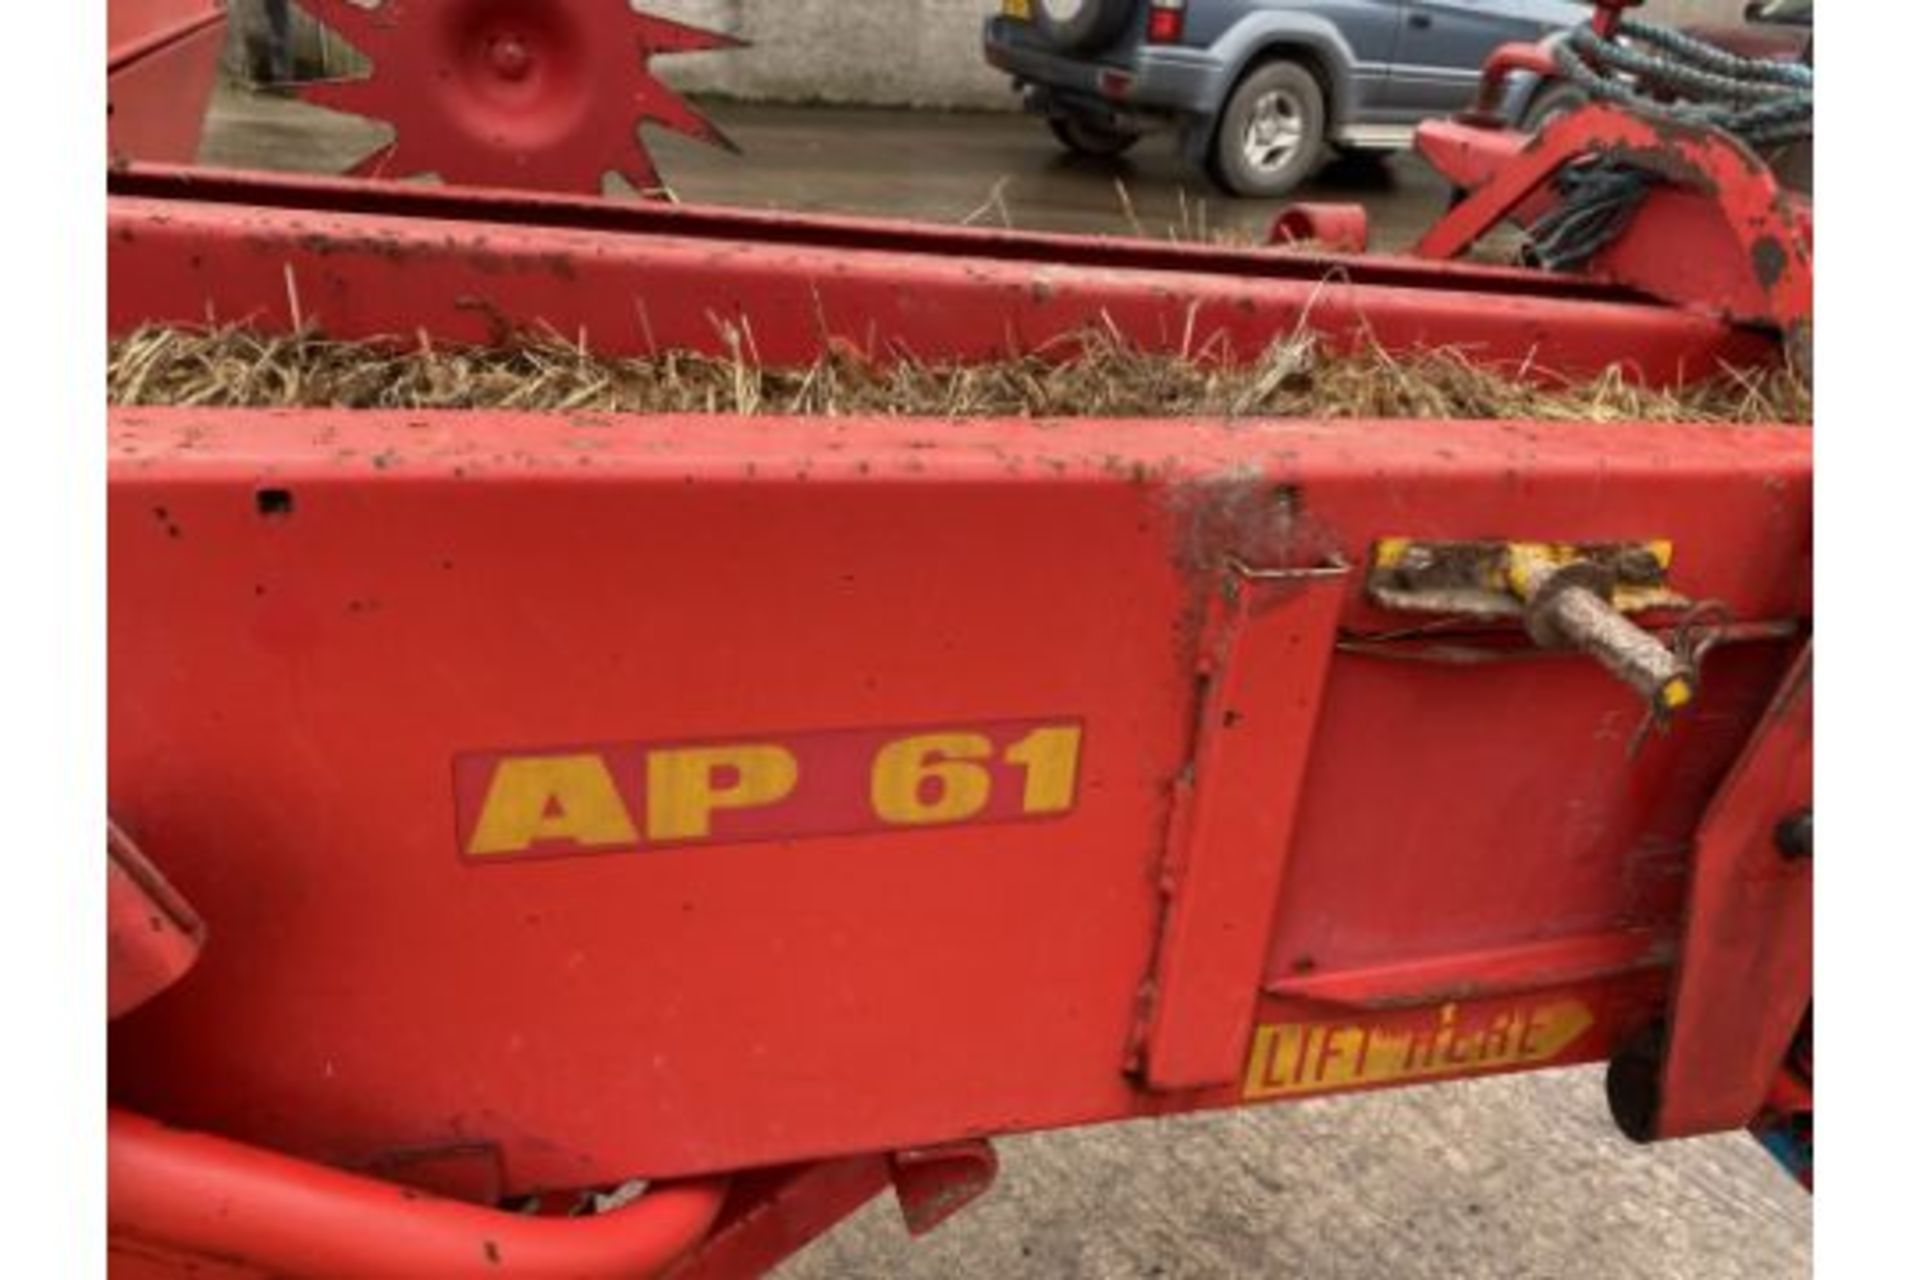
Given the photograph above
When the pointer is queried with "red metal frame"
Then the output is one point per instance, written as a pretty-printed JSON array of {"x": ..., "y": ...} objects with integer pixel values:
[
  {"x": 354, "y": 592},
  {"x": 634, "y": 279},
  {"x": 162, "y": 58},
  {"x": 1296, "y": 854},
  {"x": 1749, "y": 255},
  {"x": 1257, "y": 706},
  {"x": 1745, "y": 980}
]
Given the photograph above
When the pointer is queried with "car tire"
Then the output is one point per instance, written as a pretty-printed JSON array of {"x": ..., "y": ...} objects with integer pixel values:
[
  {"x": 1272, "y": 133},
  {"x": 1081, "y": 26},
  {"x": 1551, "y": 101},
  {"x": 1084, "y": 137}
]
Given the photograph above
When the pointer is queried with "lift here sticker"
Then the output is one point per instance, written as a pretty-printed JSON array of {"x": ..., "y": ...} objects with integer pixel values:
[
  {"x": 633, "y": 796},
  {"x": 1296, "y": 1058}
]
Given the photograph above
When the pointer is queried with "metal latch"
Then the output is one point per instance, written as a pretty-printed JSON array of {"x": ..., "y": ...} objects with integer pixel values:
[{"x": 1568, "y": 595}]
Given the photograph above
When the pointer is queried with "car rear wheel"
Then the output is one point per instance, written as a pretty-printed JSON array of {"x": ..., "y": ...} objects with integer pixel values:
[
  {"x": 1081, "y": 26},
  {"x": 1085, "y": 138},
  {"x": 1272, "y": 134}
]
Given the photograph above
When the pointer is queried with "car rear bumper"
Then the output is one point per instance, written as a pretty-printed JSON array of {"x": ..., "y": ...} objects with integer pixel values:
[{"x": 1151, "y": 80}]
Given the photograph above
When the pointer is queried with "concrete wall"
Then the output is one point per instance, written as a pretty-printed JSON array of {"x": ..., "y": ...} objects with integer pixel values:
[
  {"x": 878, "y": 52},
  {"x": 895, "y": 52},
  {"x": 884, "y": 52},
  {"x": 1694, "y": 10}
]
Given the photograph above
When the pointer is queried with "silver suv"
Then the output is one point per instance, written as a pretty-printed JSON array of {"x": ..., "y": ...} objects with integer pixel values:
[{"x": 1259, "y": 89}]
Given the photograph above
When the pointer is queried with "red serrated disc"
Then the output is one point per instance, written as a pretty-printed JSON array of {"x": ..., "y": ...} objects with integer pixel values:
[{"x": 513, "y": 93}]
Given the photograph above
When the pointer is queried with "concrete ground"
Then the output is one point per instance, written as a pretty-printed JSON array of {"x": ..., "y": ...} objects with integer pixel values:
[
  {"x": 986, "y": 167},
  {"x": 1504, "y": 1179},
  {"x": 1516, "y": 1177}
]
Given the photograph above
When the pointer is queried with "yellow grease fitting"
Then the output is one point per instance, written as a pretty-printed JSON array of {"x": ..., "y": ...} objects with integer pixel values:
[{"x": 1299, "y": 1058}]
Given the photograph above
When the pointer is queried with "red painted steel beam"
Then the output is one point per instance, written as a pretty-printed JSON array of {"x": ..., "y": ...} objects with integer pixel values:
[
  {"x": 371, "y": 275},
  {"x": 196, "y": 1194},
  {"x": 1261, "y": 667},
  {"x": 529, "y": 211},
  {"x": 1745, "y": 979}
]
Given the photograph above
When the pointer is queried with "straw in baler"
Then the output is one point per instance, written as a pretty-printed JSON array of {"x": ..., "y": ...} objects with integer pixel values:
[{"x": 1097, "y": 375}]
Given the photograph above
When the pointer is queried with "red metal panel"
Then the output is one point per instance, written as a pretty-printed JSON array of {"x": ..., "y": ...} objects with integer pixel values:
[
  {"x": 528, "y": 211},
  {"x": 136, "y": 1260},
  {"x": 153, "y": 936},
  {"x": 428, "y": 584},
  {"x": 135, "y": 27},
  {"x": 1263, "y": 661},
  {"x": 157, "y": 100},
  {"x": 1460, "y": 975},
  {"x": 1585, "y": 837},
  {"x": 368, "y": 275},
  {"x": 1745, "y": 977}
]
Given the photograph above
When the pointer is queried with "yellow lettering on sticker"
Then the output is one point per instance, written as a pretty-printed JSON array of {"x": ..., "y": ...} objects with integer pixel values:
[
  {"x": 539, "y": 798},
  {"x": 931, "y": 778},
  {"x": 1297, "y": 1058},
  {"x": 1051, "y": 758},
  {"x": 686, "y": 785}
]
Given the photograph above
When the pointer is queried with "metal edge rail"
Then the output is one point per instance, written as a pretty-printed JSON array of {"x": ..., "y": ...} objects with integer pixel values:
[
  {"x": 317, "y": 194},
  {"x": 207, "y": 1196}
]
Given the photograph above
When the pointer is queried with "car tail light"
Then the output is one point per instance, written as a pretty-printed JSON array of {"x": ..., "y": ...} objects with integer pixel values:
[{"x": 1166, "y": 21}]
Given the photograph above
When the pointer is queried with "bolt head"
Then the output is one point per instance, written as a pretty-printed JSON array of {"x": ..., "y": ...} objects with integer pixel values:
[
  {"x": 1793, "y": 836},
  {"x": 509, "y": 57}
]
